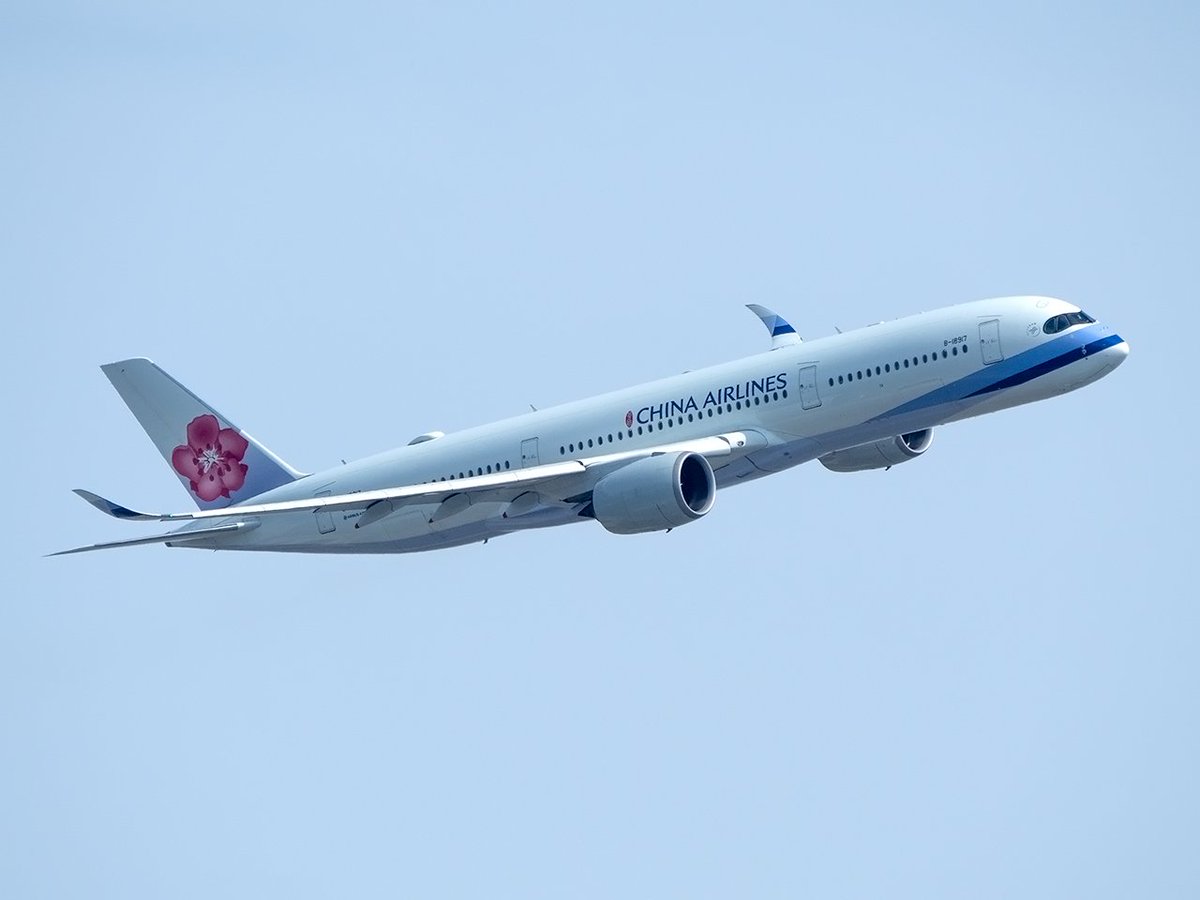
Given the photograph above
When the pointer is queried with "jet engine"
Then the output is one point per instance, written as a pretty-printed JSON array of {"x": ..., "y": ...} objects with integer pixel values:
[
  {"x": 655, "y": 493},
  {"x": 881, "y": 454}
]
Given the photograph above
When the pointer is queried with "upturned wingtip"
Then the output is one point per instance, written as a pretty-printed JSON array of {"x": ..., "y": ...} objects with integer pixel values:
[{"x": 116, "y": 510}]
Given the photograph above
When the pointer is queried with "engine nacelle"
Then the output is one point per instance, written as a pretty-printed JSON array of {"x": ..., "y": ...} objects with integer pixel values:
[
  {"x": 655, "y": 493},
  {"x": 881, "y": 454}
]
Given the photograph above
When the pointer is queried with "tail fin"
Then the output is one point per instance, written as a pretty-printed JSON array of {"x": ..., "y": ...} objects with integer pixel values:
[{"x": 217, "y": 462}]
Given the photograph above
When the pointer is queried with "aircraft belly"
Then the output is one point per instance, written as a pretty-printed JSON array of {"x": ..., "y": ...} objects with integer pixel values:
[
  {"x": 415, "y": 541},
  {"x": 408, "y": 530}
]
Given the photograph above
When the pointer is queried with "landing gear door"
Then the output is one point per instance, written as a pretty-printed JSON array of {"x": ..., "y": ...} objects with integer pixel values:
[
  {"x": 529, "y": 453},
  {"x": 989, "y": 341},
  {"x": 323, "y": 516},
  {"x": 809, "y": 398}
]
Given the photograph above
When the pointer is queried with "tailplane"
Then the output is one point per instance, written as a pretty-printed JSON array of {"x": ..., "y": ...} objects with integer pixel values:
[{"x": 217, "y": 462}]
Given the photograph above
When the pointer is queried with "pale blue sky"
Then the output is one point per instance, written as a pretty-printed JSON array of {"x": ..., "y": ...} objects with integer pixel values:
[{"x": 974, "y": 675}]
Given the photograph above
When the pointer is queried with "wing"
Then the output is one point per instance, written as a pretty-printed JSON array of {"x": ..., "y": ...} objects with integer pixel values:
[
  {"x": 174, "y": 537},
  {"x": 560, "y": 479}
]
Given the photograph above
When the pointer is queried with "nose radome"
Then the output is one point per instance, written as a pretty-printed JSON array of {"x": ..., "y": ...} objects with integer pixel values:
[{"x": 1114, "y": 355}]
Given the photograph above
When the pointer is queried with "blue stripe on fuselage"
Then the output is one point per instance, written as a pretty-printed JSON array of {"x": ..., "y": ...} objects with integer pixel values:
[
  {"x": 1015, "y": 370},
  {"x": 1050, "y": 365}
]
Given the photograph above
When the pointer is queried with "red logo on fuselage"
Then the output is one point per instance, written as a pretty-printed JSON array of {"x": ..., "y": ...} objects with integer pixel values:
[{"x": 629, "y": 419}]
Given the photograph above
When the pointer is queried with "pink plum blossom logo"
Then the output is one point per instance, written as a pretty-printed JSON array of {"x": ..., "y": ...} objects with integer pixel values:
[{"x": 211, "y": 460}]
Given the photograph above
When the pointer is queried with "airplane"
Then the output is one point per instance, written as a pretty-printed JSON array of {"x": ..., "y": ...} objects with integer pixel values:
[{"x": 644, "y": 459}]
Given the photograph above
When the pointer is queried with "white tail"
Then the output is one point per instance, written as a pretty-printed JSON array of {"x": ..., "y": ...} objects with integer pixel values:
[{"x": 217, "y": 462}]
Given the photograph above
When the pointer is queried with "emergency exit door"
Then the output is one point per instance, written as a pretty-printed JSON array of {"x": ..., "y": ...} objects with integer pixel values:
[{"x": 529, "y": 453}]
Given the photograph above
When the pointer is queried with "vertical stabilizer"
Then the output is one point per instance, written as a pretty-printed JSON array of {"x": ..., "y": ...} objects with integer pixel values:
[{"x": 217, "y": 462}]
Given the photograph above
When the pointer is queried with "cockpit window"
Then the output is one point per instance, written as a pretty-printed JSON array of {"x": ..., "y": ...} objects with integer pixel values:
[{"x": 1055, "y": 324}]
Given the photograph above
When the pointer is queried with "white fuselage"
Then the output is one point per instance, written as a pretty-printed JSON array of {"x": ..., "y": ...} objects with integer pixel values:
[{"x": 793, "y": 404}]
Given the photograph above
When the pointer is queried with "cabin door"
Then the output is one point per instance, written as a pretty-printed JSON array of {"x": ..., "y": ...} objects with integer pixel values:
[
  {"x": 809, "y": 398},
  {"x": 529, "y": 453},
  {"x": 989, "y": 340}
]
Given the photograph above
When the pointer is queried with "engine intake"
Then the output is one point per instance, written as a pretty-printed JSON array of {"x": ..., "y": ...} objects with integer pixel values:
[
  {"x": 655, "y": 493},
  {"x": 881, "y": 454}
]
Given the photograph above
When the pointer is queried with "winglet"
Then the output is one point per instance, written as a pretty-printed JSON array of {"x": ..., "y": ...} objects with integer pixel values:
[
  {"x": 782, "y": 333},
  {"x": 116, "y": 510}
]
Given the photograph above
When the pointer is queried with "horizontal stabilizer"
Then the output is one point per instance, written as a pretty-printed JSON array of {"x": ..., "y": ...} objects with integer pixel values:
[{"x": 175, "y": 537}]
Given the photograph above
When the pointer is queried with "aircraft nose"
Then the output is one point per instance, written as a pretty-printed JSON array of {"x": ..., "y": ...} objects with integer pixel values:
[
  {"x": 1113, "y": 355},
  {"x": 1118, "y": 352}
]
